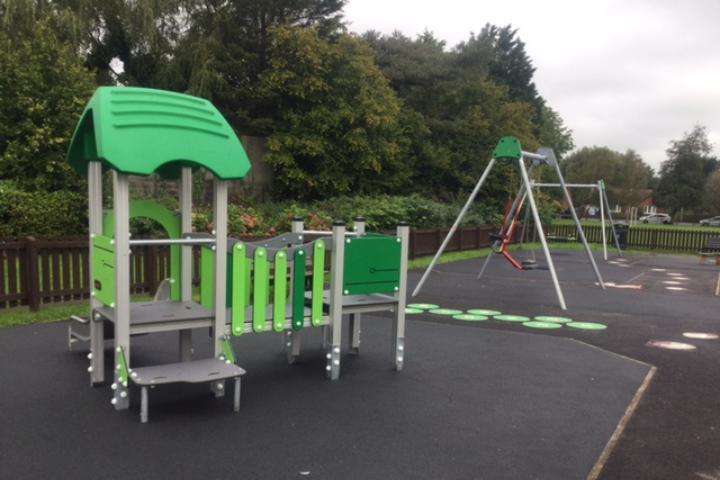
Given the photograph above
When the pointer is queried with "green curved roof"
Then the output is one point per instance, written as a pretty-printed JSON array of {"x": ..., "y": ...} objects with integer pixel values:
[{"x": 140, "y": 131}]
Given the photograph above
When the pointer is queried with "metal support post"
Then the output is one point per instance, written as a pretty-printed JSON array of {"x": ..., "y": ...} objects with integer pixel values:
[
  {"x": 609, "y": 212},
  {"x": 336, "y": 298},
  {"x": 220, "y": 223},
  {"x": 577, "y": 224},
  {"x": 458, "y": 220},
  {"x": 355, "y": 318},
  {"x": 185, "y": 339},
  {"x": 97, "y": 324},
  {"x": 602, "y": 219},
  {"x": 293, "y": 339},
  {"x": 143, "y": 404},
  {"x": 121, "y": 198},
  {"x": 403, "y": 233},
  {"x": 236, "y": 395},
  {"x": 541, "y": 234}
]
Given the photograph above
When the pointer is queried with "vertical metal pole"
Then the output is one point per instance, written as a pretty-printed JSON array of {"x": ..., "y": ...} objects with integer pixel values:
[
  {"x": 121, "y": 200},
  {"x": 543, "y": 241},
  {"x": 336, "y": 298},
  {"x": 355, "y": 318},
  {"x": 236, "y": 396},
  {"x": 186, "y": 257},
  {"x": 143, "y": 404},
  {"x": 459, "y": 218},
  {"x": 293, "y": 338},
  {"x": 577, "y": 224},
  {"x": 403, "y": 234},
  {"x": 221, "y": 235},
  {"x": 612, "y": 222},
  {"x": 602, "y": 219},
  {"x": 97, "y": 324}
]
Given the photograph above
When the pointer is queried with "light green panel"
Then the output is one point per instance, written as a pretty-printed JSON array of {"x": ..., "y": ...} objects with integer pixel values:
[
  {"x": 121, "y": 366},
  {"x": 239, "y": 287},
  {"x": 318, "y": 282},
  {"x": 228, "y": 350},
  {"x": 207, "y": 278},
  {"x": 280, "y": 294},
  {"x": 508, "y": 147},
  {"x": 260, "y": 289},
  {"x": 372, "y": 265},
  {"x": 103, "y": 269}
]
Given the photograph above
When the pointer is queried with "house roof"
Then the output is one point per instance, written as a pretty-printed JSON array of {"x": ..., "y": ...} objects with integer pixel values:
[{"x": 141, "y": 131}]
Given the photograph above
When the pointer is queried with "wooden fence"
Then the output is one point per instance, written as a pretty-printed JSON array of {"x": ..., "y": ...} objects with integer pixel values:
[{"x": 38, "y": 272}]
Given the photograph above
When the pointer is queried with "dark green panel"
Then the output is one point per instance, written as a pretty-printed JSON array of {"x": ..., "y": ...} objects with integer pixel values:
[
  {"x": 298, "y": 289},
  {"x": 372, "y": 265}
]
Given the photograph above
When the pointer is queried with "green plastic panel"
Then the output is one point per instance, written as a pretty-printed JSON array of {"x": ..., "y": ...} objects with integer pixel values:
[
  {"x": 228, "y": 350},
  {"x": 239, "y": 286},
  {"x": 508, "y": 147},
  {"x": 586, "y": 325},
  {"x": 552, "y": 319},
  {"x": 261, "y": 288},
  {"x": 372, "y": 265},
  {"x": 446, "y": 311},
  {"x": 121, "y": 367},
  {"x": 511, "y": 318},
  {"x": 103, "y": 270},
  {"x": 280, "y": 293},
  {"x": 318, "y": 282},
  {"x": 469, "y": 317},
  {"x": 168, "y": 220},
  {"x": 207, "y": 279},
  {"x": 484, "y": 311},
  {"x": 140, "y": 131},
  {"x": 542, "y": 325},
  {"x": 298, "y": 289},
  {"x": 413, "y": 311},
  {"x": 423, "y": 306}
]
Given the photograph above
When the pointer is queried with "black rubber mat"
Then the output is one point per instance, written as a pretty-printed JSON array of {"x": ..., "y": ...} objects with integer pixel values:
[{"x": 471, "y": 403}]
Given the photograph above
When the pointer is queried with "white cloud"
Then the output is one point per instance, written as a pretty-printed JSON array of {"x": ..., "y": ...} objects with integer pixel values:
[{"x": 626, "y": 74}]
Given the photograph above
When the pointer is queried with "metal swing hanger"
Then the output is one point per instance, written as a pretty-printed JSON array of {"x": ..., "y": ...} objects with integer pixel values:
[{"x": 509, "y": 148}]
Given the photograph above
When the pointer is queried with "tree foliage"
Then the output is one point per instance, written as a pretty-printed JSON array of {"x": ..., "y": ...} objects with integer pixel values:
[
  {"x": 43, "y": 89},
  {"x": 627, "y": 177},
  {"x": 336, "y": 118},
  {"x": 684, "y": 174}
]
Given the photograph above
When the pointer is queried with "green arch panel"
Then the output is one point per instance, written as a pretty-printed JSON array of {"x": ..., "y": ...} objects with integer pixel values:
[{"x": 170, "y": 223}]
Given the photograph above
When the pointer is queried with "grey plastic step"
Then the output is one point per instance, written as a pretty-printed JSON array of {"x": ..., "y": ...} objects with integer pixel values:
[{"x": 194, "y": 371}]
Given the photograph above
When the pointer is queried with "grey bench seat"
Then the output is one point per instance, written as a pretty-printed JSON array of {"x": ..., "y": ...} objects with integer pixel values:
[{"x": 205, "y": 370}]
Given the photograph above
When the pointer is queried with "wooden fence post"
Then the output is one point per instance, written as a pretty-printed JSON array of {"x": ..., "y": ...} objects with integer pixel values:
[
  {"x": 32, "y": 277},
  {"x": 150, "y": 260}
]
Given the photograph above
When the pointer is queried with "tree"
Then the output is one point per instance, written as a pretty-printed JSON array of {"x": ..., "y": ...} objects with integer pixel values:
[
  {"x": 712, "y": 193},
  {"x": 43, "y": 89},
  {"x": 336, "y": 127},
  {"x": 684, "y": 173},
  {"x": 627, "y": 177}
]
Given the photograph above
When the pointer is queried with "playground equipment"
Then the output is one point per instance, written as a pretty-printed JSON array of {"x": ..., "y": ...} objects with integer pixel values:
[
  {"x": 246, "y": 288},
  {"x": 509, "y": 148},
  {"x": 604, "y": 208}
]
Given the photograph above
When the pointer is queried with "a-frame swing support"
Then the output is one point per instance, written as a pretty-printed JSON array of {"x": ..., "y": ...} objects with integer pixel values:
[{"x": 509, "y": 148}]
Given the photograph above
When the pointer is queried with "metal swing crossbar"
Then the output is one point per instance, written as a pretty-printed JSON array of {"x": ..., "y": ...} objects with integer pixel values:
[{"x": 508, "y": 148}]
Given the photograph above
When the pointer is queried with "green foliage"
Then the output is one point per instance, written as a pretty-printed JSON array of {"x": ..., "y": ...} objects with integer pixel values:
[
  {"x": 43, "y": 89},
  {"x": 41, "y": 214},
  {"x": 627, "y": 177},
  {"x": 336, "y": 119},
  {"x": 684, "y": 174}
]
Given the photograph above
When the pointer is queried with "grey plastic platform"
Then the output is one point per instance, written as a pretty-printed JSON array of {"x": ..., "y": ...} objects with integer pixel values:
[
  {"x": 147, "y": 317},
  {"x": 360, "y": 303},
  {"x": 195, "y": 371}
]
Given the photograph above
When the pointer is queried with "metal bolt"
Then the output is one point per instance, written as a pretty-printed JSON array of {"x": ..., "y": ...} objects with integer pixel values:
[
  {"x": 220, "y": 386},
  {"x": 336, "y": 349},
  {"x": 113, "y": 401},
  {"x": 90, "y": 369},
  {"x": 89, "y": 356},
  {"x": 401, "y": 348},
  {"x": 328, "y": 356},
  {"x": 336, "y": 362},
  {"x": 328, "y": 368},
  {"x": 113, "y": 386},
  {"x": 288, "y": 344},
  {"x": 123, "y": 394}
]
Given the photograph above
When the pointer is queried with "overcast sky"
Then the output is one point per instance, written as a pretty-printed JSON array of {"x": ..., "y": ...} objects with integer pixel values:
[{"x": 626, "y": 74}]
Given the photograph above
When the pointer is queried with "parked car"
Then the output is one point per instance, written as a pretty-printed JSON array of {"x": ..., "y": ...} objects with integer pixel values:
[
  {"x": 658, "y": 218},
  {"x": 710, "y": 222}
]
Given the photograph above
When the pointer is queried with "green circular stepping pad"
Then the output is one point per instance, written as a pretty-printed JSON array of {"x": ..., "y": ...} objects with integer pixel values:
[
  {"x": 481, "y": 311},
  {"x": 546, "y": 325},
  {"x": 546, "y": 318},
  {"x": 512, "y": 318},
  {"x": 445, "y": 311},
  {"x": 423, "y": 306},
  {"x": 470, "y": 317},
  {"x": 412, "y": 311},
  {"x": 586, "y": 325}
]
